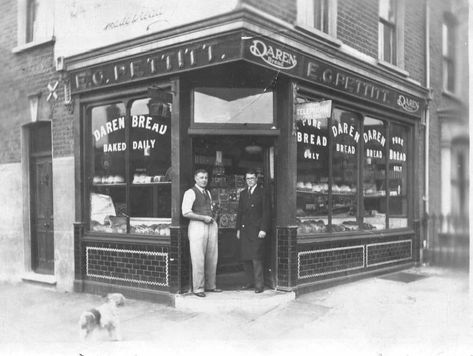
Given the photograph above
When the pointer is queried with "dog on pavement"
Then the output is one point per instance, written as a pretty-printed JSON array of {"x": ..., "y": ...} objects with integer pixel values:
[{"x": 104, "y": 317}]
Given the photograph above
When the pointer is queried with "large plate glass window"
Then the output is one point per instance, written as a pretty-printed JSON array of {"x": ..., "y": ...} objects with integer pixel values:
[
  {"x": 374, "y": 174},
  {"x": 130, "y": 178},
  {"x": 398, "y": 176},
  {"x": 233, "y": 106},
  {"x": 345, "y": 130},
  {"x": 352, "y": 170},
  {"x": 108, "y": 208},
  {"x": 312, "y": 133}
]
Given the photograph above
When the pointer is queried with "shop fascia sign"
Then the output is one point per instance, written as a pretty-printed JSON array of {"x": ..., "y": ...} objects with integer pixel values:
[
  {"x": 156, "y": 63},
  {"x": 317, "y": 71}
]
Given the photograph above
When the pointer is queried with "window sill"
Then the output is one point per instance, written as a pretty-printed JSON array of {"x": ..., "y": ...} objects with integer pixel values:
[
  {"x": 32, "y": 45},
  {"x": 393, "y": 68},
  {"x": 450, "y": 95},
  {"x": 319, "y": 35},
  {"x": 330, "y": 237}
]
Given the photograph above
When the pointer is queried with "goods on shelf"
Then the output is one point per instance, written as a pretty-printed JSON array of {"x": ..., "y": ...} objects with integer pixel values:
[
  {"x": 150, "y": 226},
  {"x": 323, "y": 188},
  {"x": 311, "y": 226},
  {"x": 110, "y": 179}
]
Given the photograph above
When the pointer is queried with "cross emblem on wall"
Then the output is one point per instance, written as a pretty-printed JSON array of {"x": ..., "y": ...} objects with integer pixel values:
[{"x": 52, "y": 86}]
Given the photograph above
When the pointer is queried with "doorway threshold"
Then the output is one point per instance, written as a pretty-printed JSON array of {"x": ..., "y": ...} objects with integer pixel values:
[
  {"x": 44, "y": 279},
  {"x": 226, "y": 301}
]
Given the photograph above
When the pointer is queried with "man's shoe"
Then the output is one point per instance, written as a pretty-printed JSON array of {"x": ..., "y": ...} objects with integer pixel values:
[
  {"x": 200, "y": 294},
  {"x": 247, "y": 286},
  {"x": 215, "y": 290},
  {"x": 259, "y": 290}
]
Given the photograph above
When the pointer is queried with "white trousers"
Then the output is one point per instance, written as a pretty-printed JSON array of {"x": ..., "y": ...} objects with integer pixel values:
[{"x": 203, "y": 243}]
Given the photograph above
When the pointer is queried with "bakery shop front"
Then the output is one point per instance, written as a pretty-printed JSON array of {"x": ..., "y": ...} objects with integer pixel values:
[{"x": 333, "y": 145}]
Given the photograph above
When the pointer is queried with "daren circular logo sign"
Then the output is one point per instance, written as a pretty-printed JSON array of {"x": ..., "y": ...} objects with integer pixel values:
[{"x": 275, "y": 57}]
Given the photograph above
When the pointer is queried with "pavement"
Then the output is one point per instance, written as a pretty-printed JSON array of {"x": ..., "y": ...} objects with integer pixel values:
[{"x": 428, "y": 315}]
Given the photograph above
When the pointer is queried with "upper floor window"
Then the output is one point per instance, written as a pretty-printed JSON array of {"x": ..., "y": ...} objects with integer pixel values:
[
  {"x": 35, "y": 21},
  {"x": 448, "y": 53},
  {"x": 387, "y": 31},
  {"x": 318, "y": 14}
]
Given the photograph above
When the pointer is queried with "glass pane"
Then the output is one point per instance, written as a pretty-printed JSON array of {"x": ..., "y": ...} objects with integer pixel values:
[
  {"x": 346, "y": 142},
  {"x": 108, "y": 188},
  {"x": 150, "y": 166},
  {"x": 398, "y": 174},
  {"x": 388, "y": 44},
  {"x": 233, "y": 106},
  {"x": 374, "y": 174},
  {"x": 386, "y": 10},
  {"x": 321, "y": 15},
  {"x": 312, "y": 167}
]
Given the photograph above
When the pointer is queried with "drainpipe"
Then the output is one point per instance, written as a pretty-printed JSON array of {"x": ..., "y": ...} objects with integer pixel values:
[{"x": 427, "y": 243}]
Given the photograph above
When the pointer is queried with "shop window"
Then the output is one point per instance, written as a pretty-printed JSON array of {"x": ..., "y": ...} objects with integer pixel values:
[
  {"x": 319, "y": 15},
  {"x": 233, "y": 106},
  {"x": 131, "y": 161},
  {"x": 448, "y": 53},
  {"x": 352, "y": 171},
  {"x": 374, "y": 174},
  {"x": 35, "y": 21},
  {"x": 313, "y": 159},
  {"x": 345, "y": 130},
  {"x": 398, "y": 176}
]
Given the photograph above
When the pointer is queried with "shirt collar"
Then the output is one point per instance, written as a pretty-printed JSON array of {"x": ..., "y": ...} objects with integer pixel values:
[{"x": 202, "y": 190}]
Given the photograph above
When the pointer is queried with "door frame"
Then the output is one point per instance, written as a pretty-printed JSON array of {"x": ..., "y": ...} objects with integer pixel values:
[
  {"x": 36, "y": 266},
  {"x": 269, "y": 153},
  {"x": 26, "y": 149}
]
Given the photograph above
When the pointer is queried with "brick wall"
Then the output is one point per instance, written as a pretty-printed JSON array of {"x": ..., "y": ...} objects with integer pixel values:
[
  {"x": 329, "y": 259},
  {"x": 126, "y": 265},
  {"x": 414, "y": 40},
  {"x": 284, "y": 9},
  {"x": 22, "y": 74},
  {"x": 357, "y": 25}
]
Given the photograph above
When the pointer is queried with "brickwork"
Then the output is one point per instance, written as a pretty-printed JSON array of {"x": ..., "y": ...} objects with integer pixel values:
[
  {"x": 388, "y": 252},
  {"x": 179, "y": 261},
  {"x": 326, "y": 261},
  {"x": 286, "y": 256},
  {"x": 357, "y": 25},
  {"x": 414, "y": 40},
  {"x": 126, "y": 265},
  {"x": 22, "y": 74},
  {"x": 284, "y": 9},
  {"x": 329, "y": 259}
]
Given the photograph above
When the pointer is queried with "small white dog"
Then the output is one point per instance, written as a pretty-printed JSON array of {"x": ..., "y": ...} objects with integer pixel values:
[{"x": 103, "y": 317}]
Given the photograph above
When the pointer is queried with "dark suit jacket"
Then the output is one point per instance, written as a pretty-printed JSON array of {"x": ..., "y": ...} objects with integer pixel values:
[{"x": 252, "y": 217}]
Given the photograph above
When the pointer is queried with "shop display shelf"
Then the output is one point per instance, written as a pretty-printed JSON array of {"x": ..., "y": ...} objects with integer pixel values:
[
  {"x": 149, "y": 184},
  {"x": 109, "y": 184},
  {"x": 325, "y": 192}
]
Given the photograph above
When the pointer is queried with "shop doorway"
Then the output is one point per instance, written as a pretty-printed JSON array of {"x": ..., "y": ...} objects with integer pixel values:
[
  {"x": 42, "y": 224},
  {"x": 227, "y": 158}
]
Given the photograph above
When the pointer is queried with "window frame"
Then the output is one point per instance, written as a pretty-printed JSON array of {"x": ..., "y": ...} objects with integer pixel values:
[
  {"x": 24, "y": 30},
  {"x": 397, "y": 26},
  {"x": 235, "y": 128},
  {"x": 126, "y": 98},
  {"x": 449, "y": 56},
  {"x": 305, "y": 18}
]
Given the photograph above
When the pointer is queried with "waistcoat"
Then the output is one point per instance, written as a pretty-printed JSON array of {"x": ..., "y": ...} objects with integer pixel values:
[{"x": 201, "y": 205}]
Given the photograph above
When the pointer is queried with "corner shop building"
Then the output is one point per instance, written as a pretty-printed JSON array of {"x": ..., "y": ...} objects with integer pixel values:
[{"x": 332, "y": 140}]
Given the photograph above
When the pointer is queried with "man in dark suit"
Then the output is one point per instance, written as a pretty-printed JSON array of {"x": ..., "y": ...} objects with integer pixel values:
[{"x": 252, "y": 224}]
